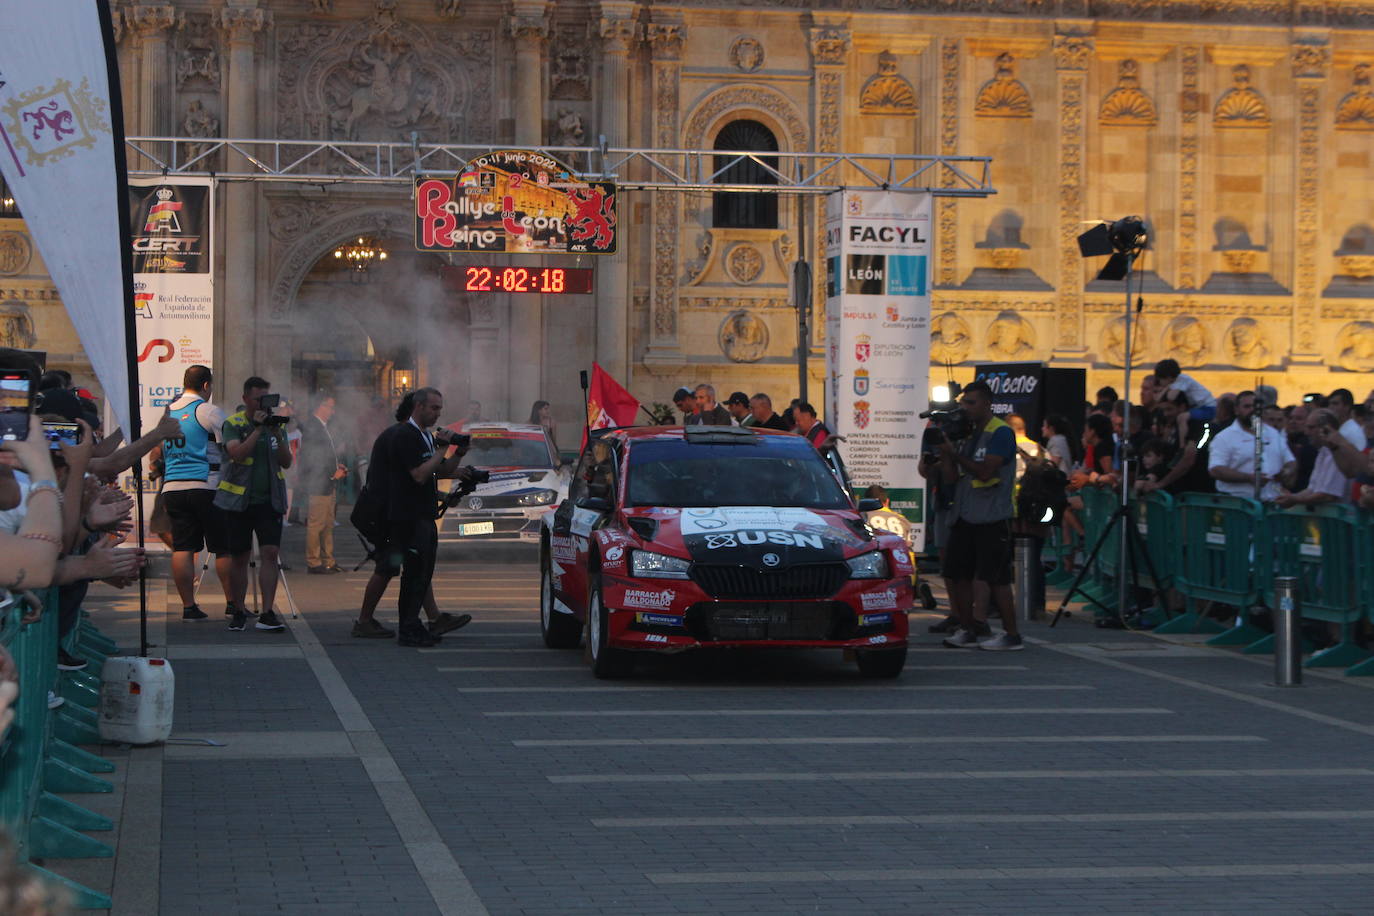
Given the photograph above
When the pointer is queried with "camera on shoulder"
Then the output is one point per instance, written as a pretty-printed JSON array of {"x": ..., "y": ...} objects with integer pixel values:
[
  {"x": 951, "y": 423},
  {"x": 466, "y": 481}
]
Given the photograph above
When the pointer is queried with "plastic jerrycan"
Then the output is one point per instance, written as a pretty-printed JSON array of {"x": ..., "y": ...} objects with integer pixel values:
[{"x": 136, "y": 700}]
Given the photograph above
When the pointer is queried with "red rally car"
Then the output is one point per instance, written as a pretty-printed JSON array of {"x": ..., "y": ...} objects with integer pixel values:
[{"x": 676, "y": 538}]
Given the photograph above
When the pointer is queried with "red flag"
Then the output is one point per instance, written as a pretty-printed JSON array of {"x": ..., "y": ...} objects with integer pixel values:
[{"x": 608, "y": 404}]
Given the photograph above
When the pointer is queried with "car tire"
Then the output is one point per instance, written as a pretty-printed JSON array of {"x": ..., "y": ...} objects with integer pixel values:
[
  {"x": 881, "y": 663},
  {"x": 560, "y": 631},
  {"x": 605, "y": 662}
]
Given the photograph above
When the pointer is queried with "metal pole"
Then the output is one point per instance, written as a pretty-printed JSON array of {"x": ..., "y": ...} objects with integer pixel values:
[
  {"x": 801, "y": 280},
  {"x": 1124, "y": 595},
  {"x": 1026, "y": 609},
  {"x": 1287, "y": 639}
]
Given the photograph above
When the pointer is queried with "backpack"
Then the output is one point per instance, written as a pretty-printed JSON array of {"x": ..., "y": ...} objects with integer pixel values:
[
  {"x": 369, "y": 516},
  {"x": 1043, "y": 488}
]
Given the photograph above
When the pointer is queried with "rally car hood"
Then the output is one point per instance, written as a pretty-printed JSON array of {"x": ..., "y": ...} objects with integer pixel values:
[{"x": 759, "y": 536}]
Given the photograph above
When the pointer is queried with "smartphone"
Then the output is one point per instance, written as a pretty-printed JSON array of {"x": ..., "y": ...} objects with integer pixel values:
[
  {"x": 269, "y": 402},
  {"x": 60, "y": 433},
  {"x": 16, "y": 403}
]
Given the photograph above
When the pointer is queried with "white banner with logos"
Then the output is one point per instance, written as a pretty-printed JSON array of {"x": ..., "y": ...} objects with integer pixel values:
[
  {"x": 174, "y": 296},
  {"x": 878, "y": 321}
]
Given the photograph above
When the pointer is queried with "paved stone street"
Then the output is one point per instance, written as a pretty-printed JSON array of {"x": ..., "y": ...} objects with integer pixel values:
[{"x": 1098, "y": 771}]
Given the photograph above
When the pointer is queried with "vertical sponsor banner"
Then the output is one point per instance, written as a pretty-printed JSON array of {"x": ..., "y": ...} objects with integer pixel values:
[
  {"x": 878, "y": 315},
  {"x": 173, "y": 288}
]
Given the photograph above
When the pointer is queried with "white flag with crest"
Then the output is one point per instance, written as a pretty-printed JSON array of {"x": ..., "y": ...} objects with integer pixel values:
[{"x": 57, "y": 151}]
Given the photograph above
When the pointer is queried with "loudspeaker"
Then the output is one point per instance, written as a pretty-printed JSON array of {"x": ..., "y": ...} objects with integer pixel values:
[{"x": 1064, "y": 391}]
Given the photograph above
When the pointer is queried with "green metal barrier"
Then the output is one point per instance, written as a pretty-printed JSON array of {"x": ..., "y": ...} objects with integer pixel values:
[
  {"x": 1222, "y": 553},
  {"x": 1156, "y": 518},
  {"x": 1062, "y": 550},
  {"x": 1100, "y": 585},
  {"x": 40, "y": 759},
  {"x": 1318, "y": 546},
  {"x": 1364, "y": 564}
]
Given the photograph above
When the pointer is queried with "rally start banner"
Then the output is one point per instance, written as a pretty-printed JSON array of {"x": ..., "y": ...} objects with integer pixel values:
[
  {"x": 174, "y": 299},
  {"x": 878, "y": 322}
]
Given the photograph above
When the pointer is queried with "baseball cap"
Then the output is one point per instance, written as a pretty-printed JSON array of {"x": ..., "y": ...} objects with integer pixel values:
[
  {"x": 681, "y": 393},
  {"x": 739, "y": 397}
]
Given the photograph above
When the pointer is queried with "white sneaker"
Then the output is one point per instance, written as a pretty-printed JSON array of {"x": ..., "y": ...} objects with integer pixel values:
[
  {"x": 54, "y": 700},
  {"x": 962, "y": 639},
  {"x": 1003, "y": 642}
]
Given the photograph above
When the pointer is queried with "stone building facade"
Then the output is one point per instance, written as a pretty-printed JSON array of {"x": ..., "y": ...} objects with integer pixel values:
[{"x": 1243, "y": 129}]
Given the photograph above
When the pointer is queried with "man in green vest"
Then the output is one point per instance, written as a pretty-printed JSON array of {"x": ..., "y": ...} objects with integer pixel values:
[{"x": 252, "y": 498}]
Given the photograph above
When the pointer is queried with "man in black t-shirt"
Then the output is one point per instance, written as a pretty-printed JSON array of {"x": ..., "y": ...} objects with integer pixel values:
[{"x": 415, "y": 460}]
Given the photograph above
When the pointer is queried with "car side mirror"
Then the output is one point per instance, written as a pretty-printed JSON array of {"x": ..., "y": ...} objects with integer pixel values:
[
  {"x": 594, "y": 503},
  {"x": 870, "y": 505}
]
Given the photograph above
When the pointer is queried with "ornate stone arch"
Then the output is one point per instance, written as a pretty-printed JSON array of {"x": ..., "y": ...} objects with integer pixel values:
[
  {"x": 746, "y": 100},
  {"x": 387, "y": 222}
]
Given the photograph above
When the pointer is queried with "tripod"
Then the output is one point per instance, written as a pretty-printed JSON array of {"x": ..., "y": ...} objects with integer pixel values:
[{"x": 253, "y": 579}]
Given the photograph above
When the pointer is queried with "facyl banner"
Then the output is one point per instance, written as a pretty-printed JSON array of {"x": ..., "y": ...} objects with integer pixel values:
[
  {"x": 878, "y": 321},
  {"x": 174, "y": 297}
]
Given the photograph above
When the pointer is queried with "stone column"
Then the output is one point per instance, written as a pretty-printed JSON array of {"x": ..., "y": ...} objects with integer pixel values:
[
  {"x": 242, "y": 351},
  {"x": 947, "y": 208},
  {"x": 666, "y": 38},
  {"x": 529, "y": 29},
  {"x": 829, "y": 56},
  {"x": 1072, "y": 54},
  {"x": 1311, "y": 64},
  {"x": 151, "y": 23},
  {"x": 620, "y": 35},
  {"x": 1189, "y": 141}
]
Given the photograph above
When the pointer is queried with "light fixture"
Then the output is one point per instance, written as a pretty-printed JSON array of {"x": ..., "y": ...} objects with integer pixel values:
[
  {"x": 359, "y": 255},
  {"x": 401, "y": 381}
]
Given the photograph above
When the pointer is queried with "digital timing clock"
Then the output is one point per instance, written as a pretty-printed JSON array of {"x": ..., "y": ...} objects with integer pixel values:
[{"x": 551, "y": 280}]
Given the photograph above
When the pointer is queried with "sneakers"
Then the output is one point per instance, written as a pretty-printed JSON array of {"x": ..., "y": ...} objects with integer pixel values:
[
  {"x": 447, "y": 623},
  {"x": 238, "y": 619},
  {"x": 1004, "y": 642},
  {"x": 317, "y": 570},
  {"x": 948, "y": 625},
  {"x": 371, "y": 629},
  {"x": 67, "y": 662},
  {"x": 268, "y": 620},
  {"x": 968, "y": 639},
  {"x": 54, "y": 700},
  {"x": 193, "y": 613},
  {"x": 418, "y": 638},
  {"x": 230, "y": 608}
]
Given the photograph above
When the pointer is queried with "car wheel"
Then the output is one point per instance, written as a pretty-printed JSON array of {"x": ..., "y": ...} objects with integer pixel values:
[
  {"x": 605, "y": 661},
  {"x": 560, "y": 631},
  {"x": 881, "y": 663}
]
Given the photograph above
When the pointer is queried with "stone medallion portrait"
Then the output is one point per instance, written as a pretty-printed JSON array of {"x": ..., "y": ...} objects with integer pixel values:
[
  {"x": 1248, "y": 345},
  {"x": 15, "y": 253},
  {"x": 950, "y": 339},
  {"x": 1185, "y": 339},
  {"x": 1355, "y": 347},
  {"x": 743, "y": 336},
  {"x": 747, "y": 53},
  {"x": 1010, "y": 337}
]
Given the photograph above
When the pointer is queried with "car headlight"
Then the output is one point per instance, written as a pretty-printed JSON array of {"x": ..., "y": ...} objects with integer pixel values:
[
  {"x": 871, "y": 565},
  {"x": 537, "y": 498},
  {"x": 650, "y": 565}
]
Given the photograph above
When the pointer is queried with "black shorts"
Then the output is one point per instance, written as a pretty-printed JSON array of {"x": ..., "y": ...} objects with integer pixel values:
[
  {"x": 195, "y": 522},
  {"x": 260, "y": 519},
  {"x": 982, "y": 552}
]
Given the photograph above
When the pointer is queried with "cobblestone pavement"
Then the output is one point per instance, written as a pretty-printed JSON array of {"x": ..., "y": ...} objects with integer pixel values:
[{"x": 1097, "y": 771}]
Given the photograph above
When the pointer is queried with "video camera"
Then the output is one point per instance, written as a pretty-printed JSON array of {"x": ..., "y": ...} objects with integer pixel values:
[
  {"x": 948, "y": 419},
  {"x": 466, "y": 484},
  {"x": 269, "y": 403}
]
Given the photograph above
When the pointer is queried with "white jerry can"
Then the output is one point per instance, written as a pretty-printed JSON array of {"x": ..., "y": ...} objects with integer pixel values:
[{"x": 136, "y": 699}]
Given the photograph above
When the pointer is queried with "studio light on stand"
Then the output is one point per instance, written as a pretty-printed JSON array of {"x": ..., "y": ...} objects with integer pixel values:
[{"x": 1125, "y": 241}]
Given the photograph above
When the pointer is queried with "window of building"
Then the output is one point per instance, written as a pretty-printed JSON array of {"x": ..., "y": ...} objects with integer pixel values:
[{"x": 733, "y": 210}]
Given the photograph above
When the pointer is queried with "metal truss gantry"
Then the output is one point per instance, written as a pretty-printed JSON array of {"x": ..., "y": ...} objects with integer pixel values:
[{"x": 335, "y": 162}]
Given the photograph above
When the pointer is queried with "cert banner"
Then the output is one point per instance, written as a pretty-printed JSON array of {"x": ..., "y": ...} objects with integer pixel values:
[
  {"x": 174, "y": 302},
  {"x": 878, "y": 318}
]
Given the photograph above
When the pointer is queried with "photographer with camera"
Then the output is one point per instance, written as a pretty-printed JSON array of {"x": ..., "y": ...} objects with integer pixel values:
[
  {"x": 252, "y": 497},
  {"x": 978, "y": 458}
]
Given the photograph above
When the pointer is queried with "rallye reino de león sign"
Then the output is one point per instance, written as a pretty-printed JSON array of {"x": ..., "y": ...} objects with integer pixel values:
[{"x": 516, "y": 202}]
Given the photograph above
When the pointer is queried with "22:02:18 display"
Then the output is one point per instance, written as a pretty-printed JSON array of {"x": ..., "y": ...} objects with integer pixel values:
[{"x": 551, "y": 280}]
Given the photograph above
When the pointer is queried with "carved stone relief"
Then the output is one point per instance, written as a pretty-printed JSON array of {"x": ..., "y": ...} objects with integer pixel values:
[
  {"x": 197, "y": 54},
  {"x": 569, "y": 77},
  {"x": 887, "y": 92},
  {"x": 1309, "y": 73},
  {"x": 829, "y": 45},
  {"x": 16, "y": 251},
  {"x": 1356, "y": 110},
  {"x": 569, "y": 131},
  {"x": 1189, "y": 144},
  {"x": 1185, "y": 339},
  {"x": 379, "y": 79},
  {"x": 1355, "y": 346},
  {"x": 198, "y": 122},
  {"x": 1010, "y": 337},
  {"x": 947, "y": 214},
  {"x": 950, "y": 339},
  {"x": 747, "y": 53},
  {"x": 1127, "y": 105},
  {"x": 1241, "y": 105},
  {"x": 1112, "y": 343},
  {"x": 743, "y": 336},
  {"x": 1247, "y": 344},
  {"x": 16, "y": 326},
  {"x": 745, "y": 96},
  {"x": 1003, "y": 96},
  {"x": 744, "y": 263}
]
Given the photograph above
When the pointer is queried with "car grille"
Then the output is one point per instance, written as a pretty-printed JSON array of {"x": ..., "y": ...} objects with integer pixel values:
[
  {"x": 494, "y": 501},
  {"x": 820, "y": 580},
  {"x": 769, "y": 620}
]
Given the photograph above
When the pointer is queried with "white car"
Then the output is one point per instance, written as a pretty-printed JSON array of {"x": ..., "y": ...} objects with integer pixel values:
[{"x": 527, "y": 481}]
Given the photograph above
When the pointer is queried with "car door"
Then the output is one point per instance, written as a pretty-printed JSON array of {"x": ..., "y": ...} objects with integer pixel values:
[
  {"x": 597, "y": 505},
  {"x": 830, "y": 451},
  {"x": 569, "y": 566}
]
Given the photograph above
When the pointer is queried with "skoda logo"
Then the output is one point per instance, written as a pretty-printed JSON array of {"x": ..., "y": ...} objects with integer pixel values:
[
  {"x": 474, "y": 502},
  {"x": 771, "y": 559}
]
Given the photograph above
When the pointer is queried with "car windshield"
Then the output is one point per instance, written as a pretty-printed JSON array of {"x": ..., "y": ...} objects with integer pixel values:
[
  {"x": 769, "y": 471},
  {"x": 501, "y": 449}
]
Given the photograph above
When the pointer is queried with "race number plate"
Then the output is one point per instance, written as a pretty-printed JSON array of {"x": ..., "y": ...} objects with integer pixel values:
[{"x": 472, "y": 528}]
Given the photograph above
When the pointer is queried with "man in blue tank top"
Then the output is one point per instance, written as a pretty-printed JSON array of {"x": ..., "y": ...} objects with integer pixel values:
[{"x": 191, "y": 462}]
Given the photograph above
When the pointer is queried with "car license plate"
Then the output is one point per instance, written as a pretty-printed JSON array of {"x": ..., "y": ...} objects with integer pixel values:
[{"x": 472, "y": 528}]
